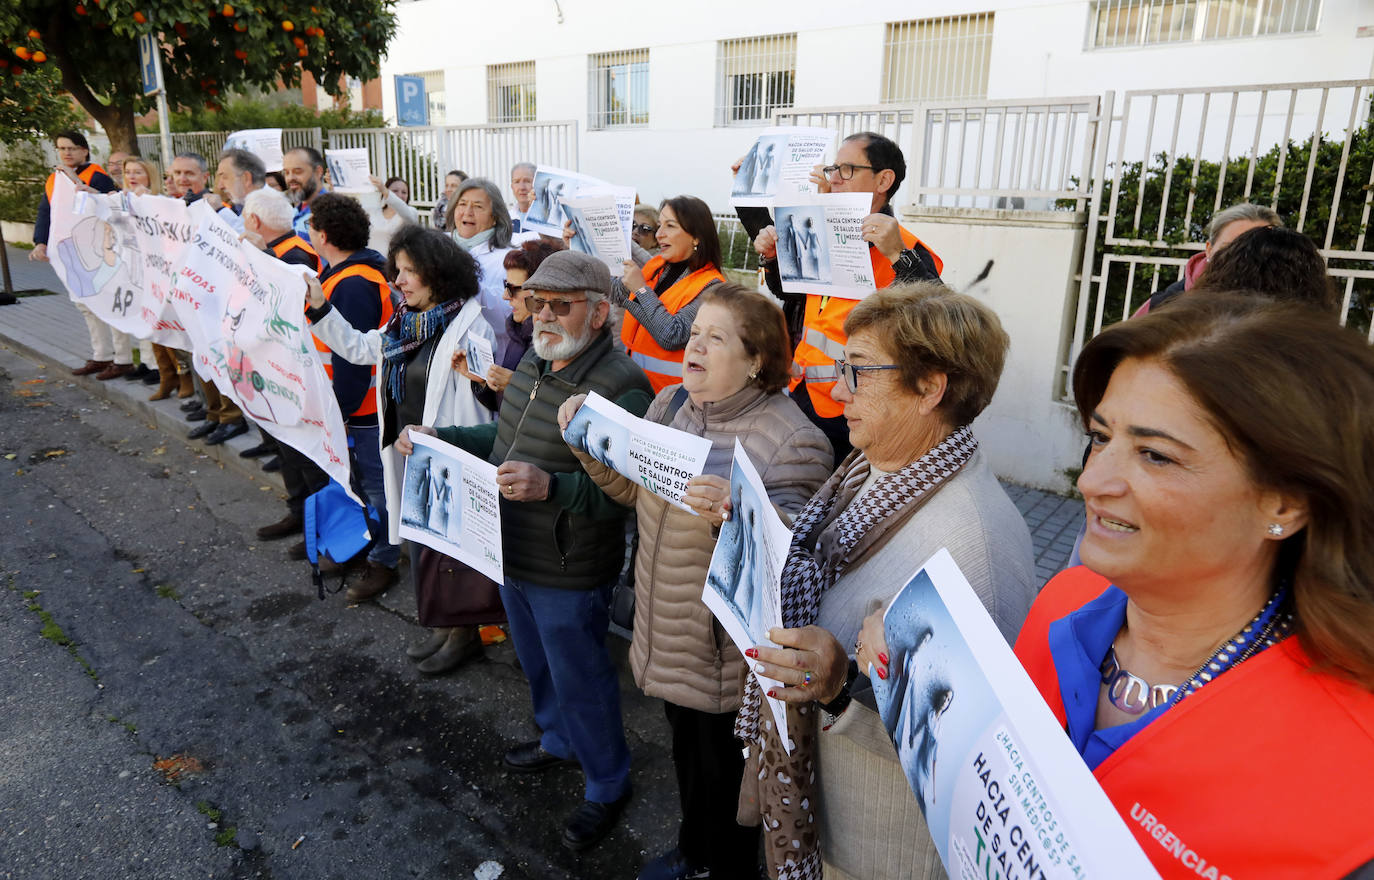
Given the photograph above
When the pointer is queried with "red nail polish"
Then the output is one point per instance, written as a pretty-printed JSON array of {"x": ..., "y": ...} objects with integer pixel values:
[
  {"x": 773, "y": 695},
  {"x": 882, "y": 673},
  {"x": 751, "y": 653},
  {"x": 882, "y": 658}
]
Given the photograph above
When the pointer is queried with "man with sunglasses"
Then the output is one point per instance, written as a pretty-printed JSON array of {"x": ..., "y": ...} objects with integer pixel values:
[
  {"x": 563, "y": 540},
  {"x": 865, "y": 162}
]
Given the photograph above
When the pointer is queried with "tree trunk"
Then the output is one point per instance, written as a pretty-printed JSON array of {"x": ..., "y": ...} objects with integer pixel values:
[{"x": 116, "y": 119}]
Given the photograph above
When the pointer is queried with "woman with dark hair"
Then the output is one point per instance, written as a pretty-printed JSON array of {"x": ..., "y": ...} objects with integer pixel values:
[
  {"x": 416, "y": 386},
  {"x": 1273, "y": 261},
  {"x": 660, "y": 301},
  {"x": 1223, "y": 618},
  {"x": 480, "y": 223},
  {"x": 519, "y": 264},
  {"x": 736, "y": 359},
  {"x": 277, "y": 181}
]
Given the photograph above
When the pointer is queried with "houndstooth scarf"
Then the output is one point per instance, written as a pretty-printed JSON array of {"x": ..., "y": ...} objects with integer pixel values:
[{"x": 833, "y": 531}]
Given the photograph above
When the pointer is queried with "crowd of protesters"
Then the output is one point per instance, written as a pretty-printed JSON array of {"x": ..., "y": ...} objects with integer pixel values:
[{"x": 1218, "y": 633}]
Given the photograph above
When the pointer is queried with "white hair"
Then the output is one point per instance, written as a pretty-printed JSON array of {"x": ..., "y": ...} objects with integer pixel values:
[{"x": 271, "y": 207}]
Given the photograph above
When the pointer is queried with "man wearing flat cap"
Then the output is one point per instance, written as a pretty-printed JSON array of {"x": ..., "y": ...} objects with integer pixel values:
[{"x": 563, "y": 539}]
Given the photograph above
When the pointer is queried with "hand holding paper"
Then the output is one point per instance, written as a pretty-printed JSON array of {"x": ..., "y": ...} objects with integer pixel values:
[
  {"x": 709, "y": 496},
  {"x": 811, "y": 664}
]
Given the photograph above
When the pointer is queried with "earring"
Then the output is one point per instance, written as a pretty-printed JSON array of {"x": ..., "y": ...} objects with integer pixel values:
[
  {"x": 754, "y": 374},
  {"x": 694, "y": 246},
  {"x": 1276, "y": 530}
]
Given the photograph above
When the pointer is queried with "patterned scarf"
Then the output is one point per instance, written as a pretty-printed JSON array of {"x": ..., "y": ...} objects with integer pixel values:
[
  {"x": 833, "y": 531},
  {"x": 406, "y": 332}
]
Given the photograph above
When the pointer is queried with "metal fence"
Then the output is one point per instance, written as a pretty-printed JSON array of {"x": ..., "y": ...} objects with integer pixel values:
[
  {"x": 890, "y": 120},
  {"x": 1304, "y": 149},
  {"x": 210, "y": 143}
]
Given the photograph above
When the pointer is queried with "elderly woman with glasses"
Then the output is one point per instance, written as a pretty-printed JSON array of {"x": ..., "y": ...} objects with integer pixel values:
[{"x": 920, "y": 363}]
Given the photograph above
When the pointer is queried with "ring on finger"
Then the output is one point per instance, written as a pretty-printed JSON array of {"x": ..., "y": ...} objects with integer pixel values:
[{"x": 806, "y": 678}]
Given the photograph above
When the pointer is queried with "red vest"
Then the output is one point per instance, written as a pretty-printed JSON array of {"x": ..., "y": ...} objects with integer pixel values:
[
  {"x": 85, "y": 175},
  {"x": 369, "y": 404},
  {"x": 663, "y": 367},
  {"x": 823, "y": 335},
  {"x": 1265, "y": 772}
]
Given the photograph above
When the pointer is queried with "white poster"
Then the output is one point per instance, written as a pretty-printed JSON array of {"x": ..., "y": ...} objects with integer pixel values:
[
  {"x": 450, "y": 502},
  {"x": 349, "y": 170},
  {"x": 551, "y": 186},
  {"x": 778, "y": 166},
  {"x": 597, "y": 230},
  {"x": 479, "y": 354},
  {"x": 821, "y": 248},
  {"x": 744, "y": 583},
  {"x": 657, "y": 457},
  {"x": 1003, "y": 790},
  {"x": 624, "y": 205},
  {"x": 265, "y": 143}
]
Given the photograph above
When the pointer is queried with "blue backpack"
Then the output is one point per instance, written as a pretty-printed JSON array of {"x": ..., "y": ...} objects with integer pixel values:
[{"x": 340, "y": 527}]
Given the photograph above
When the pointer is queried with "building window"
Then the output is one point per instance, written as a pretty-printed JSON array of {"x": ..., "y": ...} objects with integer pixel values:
[
  {"x": 937, "y": 59},
  {"x": 510, "y": 92},
  {"x": 757, "y": 76},
  {"x": 1143, "y": 22},
  {"x": 618, "y": 89}
]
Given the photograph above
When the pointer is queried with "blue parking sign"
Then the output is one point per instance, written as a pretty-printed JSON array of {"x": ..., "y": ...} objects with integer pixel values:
[
  {"x": 412, "y": 107},
  {"x": 148, "y": 63}
]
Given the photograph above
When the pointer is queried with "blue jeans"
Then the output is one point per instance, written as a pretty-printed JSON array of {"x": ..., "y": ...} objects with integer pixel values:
[
  {"x": 368, "y": 454},
  {"x": 560, "y": 638}
]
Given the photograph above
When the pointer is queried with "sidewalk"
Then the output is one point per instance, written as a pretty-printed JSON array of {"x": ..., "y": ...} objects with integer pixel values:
[{"x": 50, "y": 329}]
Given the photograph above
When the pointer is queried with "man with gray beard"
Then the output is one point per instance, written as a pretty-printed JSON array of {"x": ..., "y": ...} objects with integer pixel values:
[{"x": 563, "y": 540}]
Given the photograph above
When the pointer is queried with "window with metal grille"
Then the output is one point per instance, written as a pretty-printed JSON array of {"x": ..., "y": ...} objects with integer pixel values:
[
  {"x": 757, "y": 75},
  {"x": 434, "y": 94},
  {"x": 1142, "y": 22},
  {"x": 618, "y": 89},
  {"x": 937, "y": 59},
  {"x": 510, "y": 92}
]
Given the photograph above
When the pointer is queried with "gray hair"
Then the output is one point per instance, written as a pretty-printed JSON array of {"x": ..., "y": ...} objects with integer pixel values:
[
  {"x": 504, "y": 229},
  {"x": 196, "y": 158},
  {"x": 1242, "y": 211},
  {"x": 271, "y": 207},
  {"x": 246, "y": 163},
  {"x": 518, "y": 165}
]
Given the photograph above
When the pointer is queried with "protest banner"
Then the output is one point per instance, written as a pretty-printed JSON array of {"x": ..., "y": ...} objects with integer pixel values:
[
  {"x": 349, "y": 170},
  {"x": 265, "y": 143},
  {"x": 597, "y": 230},
  {"x": 479, "y": 354},
  {"x": 821, "y": 248},
  {"x": 657, "y": 457},
  {"x": 551, "y": 185},
  {"x": 744, "y": 581},
  {"x": 1003, "y": 790},
  {"x": 778, "y": 166},
  {"x": 450, "y": 502},
  {"x": 164, "y": 230}
]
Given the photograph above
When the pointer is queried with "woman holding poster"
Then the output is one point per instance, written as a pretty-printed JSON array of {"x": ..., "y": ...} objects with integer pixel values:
[
  {"x": 921, "y": 362},
  {"x": 1222, "y": 621},
  {"x": 416, "y": 385},
  {"x": 736, "y": 363},
  {"x": 660, "y": 301}
]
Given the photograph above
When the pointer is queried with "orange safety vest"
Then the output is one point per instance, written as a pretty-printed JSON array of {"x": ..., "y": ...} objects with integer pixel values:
[
  {"x": 664, "y": 367},
  {"x": 86, "y": 175},
  {"x": 823, "y": 335},
  {"x": 1264, "y": 772},
  {"x": 281, "y": 248},
  {"x": 369, "y": 404}
]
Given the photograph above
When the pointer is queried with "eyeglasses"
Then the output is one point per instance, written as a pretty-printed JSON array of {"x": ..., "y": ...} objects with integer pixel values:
[
  {"x": 850, "y": 372},
  {"x": 645, "y": 229},
  {"x": 560, "y": 307},
  {"x": 846, "y": 170}
]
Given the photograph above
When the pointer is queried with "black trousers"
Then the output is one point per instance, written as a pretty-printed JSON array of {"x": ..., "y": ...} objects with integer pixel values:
[
  {"x": 709, "y": 762},
  {"x": 301, "y": 476}
]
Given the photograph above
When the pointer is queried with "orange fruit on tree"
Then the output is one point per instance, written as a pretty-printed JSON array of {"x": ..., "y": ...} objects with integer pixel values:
[
  {"x": 35, "y": 35},
  {"x": 39, "y": 57},
  {"x": 228, "y": 11},
  {"x": 138, "y": 17},
  {"x": 287, "y": 26},
  {"x": 80, "y": 10},
  {"x": 240, "y": 55},
  {"x": 22, "y": 52},
  {"x": 303, "y": 52},
  {"x": 240, "y": 26}
]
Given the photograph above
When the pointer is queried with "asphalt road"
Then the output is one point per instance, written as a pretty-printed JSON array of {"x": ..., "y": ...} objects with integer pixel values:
[{"x": 176, "y": 703}]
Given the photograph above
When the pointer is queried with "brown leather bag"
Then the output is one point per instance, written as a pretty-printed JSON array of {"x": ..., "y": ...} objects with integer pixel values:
[{"x": 449, "y": 593}]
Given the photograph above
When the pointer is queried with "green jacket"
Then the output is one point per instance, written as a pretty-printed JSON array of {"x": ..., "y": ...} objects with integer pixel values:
[{"x": 576, "y": 539}]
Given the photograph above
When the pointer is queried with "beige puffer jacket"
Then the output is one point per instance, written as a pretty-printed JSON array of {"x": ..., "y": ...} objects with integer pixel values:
[{"x": 679, "y": 652}]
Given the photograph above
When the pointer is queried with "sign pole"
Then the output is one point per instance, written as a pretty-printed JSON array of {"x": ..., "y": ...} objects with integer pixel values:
[{"x": 150, "y": 64}]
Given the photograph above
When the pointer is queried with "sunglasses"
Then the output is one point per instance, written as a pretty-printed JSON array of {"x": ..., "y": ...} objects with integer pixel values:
[
  {"x": 850, "y": 372},
  {"x": 645, "y": 229},
  {"x": 512, "y": 289},
  {"x": 560, "y": 307}
]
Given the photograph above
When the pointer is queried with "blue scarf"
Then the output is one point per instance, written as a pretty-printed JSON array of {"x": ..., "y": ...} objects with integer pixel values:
[{"x": 406, "y": 332}]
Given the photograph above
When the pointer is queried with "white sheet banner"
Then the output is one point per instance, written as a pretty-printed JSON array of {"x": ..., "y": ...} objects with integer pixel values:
[
  {"x": 778, "y": 166},
  {"x": 744, "y": 583},
  {"x": 657, "y": 457},
  {"x": 821, "y": 248},
  {"x": 265, "y": 143},
  {"x": 95, "y": 249},
  {"x": 1003, "y": 789},
  {"x": 450, "y": 502}
]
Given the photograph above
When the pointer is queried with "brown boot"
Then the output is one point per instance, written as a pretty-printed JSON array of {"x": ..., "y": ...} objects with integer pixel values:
[
  {"x": 433, "y": 642},
  {"x": 463, "y": 644},
  {"x": 92, "y": 367},
  {"x": 114, "y": 371},
  {"x": 187, "y": 386},
  {"x": 166, "y": 382},
  {"x": 377, "y": 580}
]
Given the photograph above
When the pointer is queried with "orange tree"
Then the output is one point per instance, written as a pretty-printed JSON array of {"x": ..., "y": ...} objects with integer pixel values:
[{"x": 208, "y": 49}]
